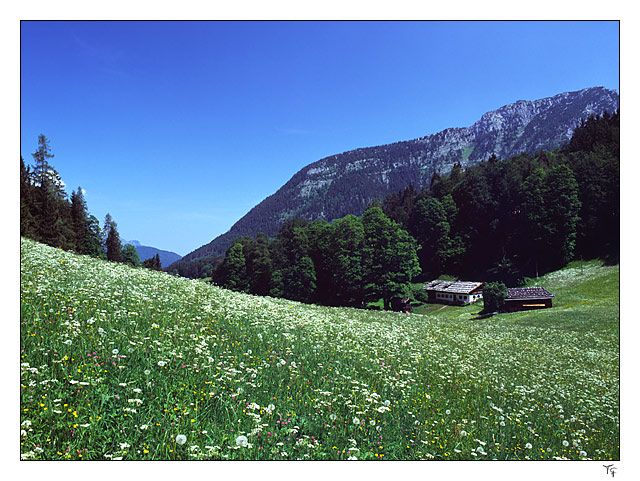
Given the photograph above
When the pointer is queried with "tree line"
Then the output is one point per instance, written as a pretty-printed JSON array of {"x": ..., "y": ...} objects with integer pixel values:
[
  {"x": 346, "y": 262},
  {"x": 49, "y": 216},
  {"x": 499, "y": 220},
  {"x": 522, "y": 216}
]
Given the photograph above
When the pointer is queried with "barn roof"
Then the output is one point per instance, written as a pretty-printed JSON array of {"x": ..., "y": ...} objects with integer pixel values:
[
  {"x": 528, "y": 293},
  {"x": 454, "y": 287}
]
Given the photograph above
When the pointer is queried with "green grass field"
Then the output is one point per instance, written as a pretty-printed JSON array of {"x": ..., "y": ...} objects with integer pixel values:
[{"x": 123, "y": 363}]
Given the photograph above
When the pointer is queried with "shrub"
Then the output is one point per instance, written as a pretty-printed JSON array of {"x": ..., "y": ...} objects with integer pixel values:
[{"x": 494, "y": 295}]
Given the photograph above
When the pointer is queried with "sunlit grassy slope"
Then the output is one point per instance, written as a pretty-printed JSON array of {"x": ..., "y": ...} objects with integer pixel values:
[{"x": 117, "y": 362}]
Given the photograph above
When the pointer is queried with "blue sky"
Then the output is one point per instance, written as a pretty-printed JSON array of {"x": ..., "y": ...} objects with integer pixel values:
[{"x": 177, "y": 129}]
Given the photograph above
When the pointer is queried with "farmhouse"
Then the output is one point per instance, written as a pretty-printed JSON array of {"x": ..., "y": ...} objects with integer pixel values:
[
  {"x": 454, "y": 292},
  {"x": 525, "y": 298}
]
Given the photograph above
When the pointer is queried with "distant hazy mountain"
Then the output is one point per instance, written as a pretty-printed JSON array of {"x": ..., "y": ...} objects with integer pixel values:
[
  {"x": 146, "y": 252},
  {"x": 345, "y": 183}
]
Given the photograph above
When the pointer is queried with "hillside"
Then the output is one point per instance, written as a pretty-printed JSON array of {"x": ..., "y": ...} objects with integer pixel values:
[
  {"x": 124, "y": 363},
  {"x": 345, "y": 183},
  {"x": 147, "y": 252}
]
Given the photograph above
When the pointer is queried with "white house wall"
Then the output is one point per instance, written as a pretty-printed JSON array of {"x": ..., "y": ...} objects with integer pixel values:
[{"x": 465, "y": 298}]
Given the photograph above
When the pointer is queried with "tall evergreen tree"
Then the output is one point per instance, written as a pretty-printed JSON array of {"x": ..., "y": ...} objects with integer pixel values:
[
  {"x": 79, "y": 220},
  {"x": 93, "y": 240},
  {"x": 27, "y": 219},
  {"x": 112, "y": 242},
  {"x": 47, "y": 195}
]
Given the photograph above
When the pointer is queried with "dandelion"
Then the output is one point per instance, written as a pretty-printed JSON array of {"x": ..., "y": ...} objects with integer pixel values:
[
  {"x": 528, "y": 446},
  {"x": 181, "y": 439},
  {"x": 387, "y": 403},
  {"x": 583, "y": 454},
  {"x": 565, "y": 443},
  {"x": 115, "y": 352},
  {"x": 333, "y": 416},
  {"x": 147, "y": 372},
  {"x": 270, "y": 407},
  {"x": 162, "y": 363},
  {"x": 242, "y": 441},
  {"x": 463, "y": 433},
  {"x": 356, "y": 421}
]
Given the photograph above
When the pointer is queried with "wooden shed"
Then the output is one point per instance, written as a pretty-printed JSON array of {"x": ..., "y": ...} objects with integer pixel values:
[{"x": 526, "y": 298}]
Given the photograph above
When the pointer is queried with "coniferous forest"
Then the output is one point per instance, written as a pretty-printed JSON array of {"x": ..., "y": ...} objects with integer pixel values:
[
  {"x": 499, "y": 220},
  {"x": 49, "y": 216}
]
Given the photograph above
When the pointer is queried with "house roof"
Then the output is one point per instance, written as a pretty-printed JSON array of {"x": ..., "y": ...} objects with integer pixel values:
[
  {"x": 453, "y": 287},
  {"x": 514, "y": 293}
]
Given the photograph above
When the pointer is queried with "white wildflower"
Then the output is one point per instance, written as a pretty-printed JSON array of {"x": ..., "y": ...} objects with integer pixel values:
[{"x": 181, "y": 439}]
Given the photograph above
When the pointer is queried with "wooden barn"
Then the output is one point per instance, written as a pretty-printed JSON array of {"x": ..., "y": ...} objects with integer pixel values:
[
  {"x": 525, "y": 298},
  {"x": 454, "y": 292}
]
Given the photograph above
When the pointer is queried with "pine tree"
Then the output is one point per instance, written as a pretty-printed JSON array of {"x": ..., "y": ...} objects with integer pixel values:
[
  {"x": 93, "y": 240},
  {"x": 48, "y": 188},
  {"x": 27, "y": 218},
  {"x": 79, "y": 220},
  {"x": 112, "y": 242}
]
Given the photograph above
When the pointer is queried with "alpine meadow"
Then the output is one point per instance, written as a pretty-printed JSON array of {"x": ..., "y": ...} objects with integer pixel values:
[
  {"x": 126, "y": 363},
  {"x": 306, "y": 286}
]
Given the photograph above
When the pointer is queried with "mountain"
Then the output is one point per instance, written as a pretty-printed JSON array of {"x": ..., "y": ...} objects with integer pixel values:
[
  {"x": 146, "y": 252},
  {"x": 345, "y": 183}
]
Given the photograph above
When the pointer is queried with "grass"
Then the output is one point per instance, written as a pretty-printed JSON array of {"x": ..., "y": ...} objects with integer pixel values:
[{"x": 117, "y": 362}]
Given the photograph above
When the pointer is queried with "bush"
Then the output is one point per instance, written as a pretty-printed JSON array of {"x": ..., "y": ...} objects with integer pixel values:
[
  {"x": 494, "y": 295},
  {"x": 419, "y": 294}
]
